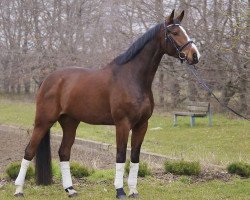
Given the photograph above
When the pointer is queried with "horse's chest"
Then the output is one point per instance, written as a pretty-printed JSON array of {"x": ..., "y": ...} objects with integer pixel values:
[
  {"x": 141, "y": 111},
  {"x": 131, "y": 102},
  {"x": 138, "y": 107},
  {"x": 146, "y": 107}
]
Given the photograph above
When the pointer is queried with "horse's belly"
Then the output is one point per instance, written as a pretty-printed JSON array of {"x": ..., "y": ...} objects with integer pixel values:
[
  {"x": 96, "y": 117},
  {"x": 90, "y": 110}
]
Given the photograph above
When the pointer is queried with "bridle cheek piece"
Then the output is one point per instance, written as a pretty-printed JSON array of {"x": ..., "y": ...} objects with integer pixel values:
[{"x": 182, "y": 55}]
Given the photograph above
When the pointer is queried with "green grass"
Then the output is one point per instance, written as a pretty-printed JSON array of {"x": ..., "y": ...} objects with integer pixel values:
[
  {"x": 17, "y": 113},
  {"x": 228, "y": 140},
  {"x": 149, "y": 188}
]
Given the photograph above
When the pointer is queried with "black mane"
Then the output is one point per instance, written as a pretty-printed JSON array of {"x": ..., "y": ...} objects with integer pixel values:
[{"x": 137, "y": 46}]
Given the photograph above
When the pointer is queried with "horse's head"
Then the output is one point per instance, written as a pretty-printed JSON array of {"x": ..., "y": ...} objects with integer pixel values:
[{"x": 176, "y": 42}]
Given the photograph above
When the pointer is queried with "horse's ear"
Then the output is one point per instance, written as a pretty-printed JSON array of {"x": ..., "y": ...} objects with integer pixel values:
[
  {"x": 180, "y": 17},
  {"x": 170, "y": 18}
]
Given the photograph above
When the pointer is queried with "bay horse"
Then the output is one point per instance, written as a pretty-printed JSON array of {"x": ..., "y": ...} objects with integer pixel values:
[{"x": 119, "y": 94}]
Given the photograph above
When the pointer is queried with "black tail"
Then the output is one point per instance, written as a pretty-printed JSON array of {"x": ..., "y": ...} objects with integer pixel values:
[{"x": 43, "y": 162}]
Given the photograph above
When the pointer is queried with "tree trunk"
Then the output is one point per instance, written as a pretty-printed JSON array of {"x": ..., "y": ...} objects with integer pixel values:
[
  {"x": 227, "y": 93},
  {"x": 27, "y": 86},
  {"x": 161, "y": 87},
  {"x": 243, "y": 70},
  {"x": 174, "y": 87},
  {"x": 160, "y": 13},
  {"x": 192, "y": 91}
]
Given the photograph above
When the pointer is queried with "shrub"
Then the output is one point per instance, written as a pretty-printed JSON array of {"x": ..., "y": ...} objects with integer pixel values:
[
  {"x": 12, "y": 171},
  {"x": 182, "y": 167},
  {"x": 239, "y": 168},
  {"x": 79, "y": 171},
  {"x": 144, "y": 170},
  {"x": 56, "y": 171}
]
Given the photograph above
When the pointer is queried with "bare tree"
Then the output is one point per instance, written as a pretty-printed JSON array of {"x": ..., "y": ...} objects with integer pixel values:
[{"x": 37, "y": 37}]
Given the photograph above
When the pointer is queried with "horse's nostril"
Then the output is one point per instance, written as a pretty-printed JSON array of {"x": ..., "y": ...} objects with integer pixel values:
[{"x": 195, "y": 57}]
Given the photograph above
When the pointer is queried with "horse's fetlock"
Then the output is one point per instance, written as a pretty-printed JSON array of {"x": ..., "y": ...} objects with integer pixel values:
[{"x": 63, "y": 155}]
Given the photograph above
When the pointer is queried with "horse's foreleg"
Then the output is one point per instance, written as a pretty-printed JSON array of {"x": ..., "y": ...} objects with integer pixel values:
[
  {"x": 122, "y": 133},
  {"x": 69, "y": 127},
  {"x": 138, "y": 134}
]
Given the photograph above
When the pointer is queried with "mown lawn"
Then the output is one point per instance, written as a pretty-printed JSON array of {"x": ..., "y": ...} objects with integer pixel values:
[
  {"x": 100, "y": 186},
  {"x": 226, "y": 141}
]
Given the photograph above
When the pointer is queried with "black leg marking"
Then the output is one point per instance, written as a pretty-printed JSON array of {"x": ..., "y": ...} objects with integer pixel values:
[
  {"x": 120, "y": 194},
  {"x": 134, "y": 196},
  {"x": 71, "y": 191},
  {"x": 19, "y": 195}
]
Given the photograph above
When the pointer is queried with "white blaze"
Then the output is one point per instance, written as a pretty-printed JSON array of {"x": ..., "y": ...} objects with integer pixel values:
[{"x": 193, "y": 45}]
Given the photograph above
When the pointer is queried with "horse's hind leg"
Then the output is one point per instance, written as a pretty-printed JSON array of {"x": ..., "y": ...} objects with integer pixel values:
[
  {"x": 46, "y": 114},
  {"x": 138, "y": 134},
  {"x": 69, "y": 127},
  {"x": 39, "y": 131}
]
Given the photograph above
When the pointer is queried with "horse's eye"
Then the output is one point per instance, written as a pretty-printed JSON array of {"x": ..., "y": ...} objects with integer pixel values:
[
  {"x": 174, "y": 33},
  {"x": 168, "y": 31}
]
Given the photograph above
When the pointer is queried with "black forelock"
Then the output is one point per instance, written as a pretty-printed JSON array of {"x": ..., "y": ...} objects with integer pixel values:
[{"x": 137, "y": 46}]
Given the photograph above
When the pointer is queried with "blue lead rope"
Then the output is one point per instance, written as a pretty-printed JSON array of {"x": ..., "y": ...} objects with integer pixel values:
[{"x": 204, "y": 85}]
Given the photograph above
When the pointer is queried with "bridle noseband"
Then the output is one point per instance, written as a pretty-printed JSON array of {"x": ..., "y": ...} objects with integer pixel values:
[{"x": 168, "y": 37}]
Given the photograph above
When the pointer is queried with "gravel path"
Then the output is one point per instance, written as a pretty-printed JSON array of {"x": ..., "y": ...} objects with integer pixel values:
[{"x": 12, "y": 146}]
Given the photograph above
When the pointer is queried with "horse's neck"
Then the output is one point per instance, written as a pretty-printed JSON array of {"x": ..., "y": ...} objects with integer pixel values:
[{"x": 147, "y": 61}]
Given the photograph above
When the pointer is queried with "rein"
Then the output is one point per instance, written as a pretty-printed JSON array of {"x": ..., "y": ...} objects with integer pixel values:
[
  {"x": 182, "y": 55},
  {"x": 204, "y": 85}
]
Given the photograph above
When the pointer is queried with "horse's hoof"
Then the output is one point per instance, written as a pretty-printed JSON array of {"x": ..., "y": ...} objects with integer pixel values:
[
  {"x": 19, "y": 194},
  {"x": 73, "y": 195},
  {"x": 120, "y": 194},
  {"x": 134, "y": 196},
  {"x": 71, "y": 192}
]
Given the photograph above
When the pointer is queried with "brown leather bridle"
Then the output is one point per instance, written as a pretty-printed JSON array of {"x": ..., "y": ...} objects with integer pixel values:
[{"x": 169, "y": 38}]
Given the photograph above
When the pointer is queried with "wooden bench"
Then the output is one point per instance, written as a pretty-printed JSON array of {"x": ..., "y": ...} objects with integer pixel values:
[{"x": 195, "y": 109}]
